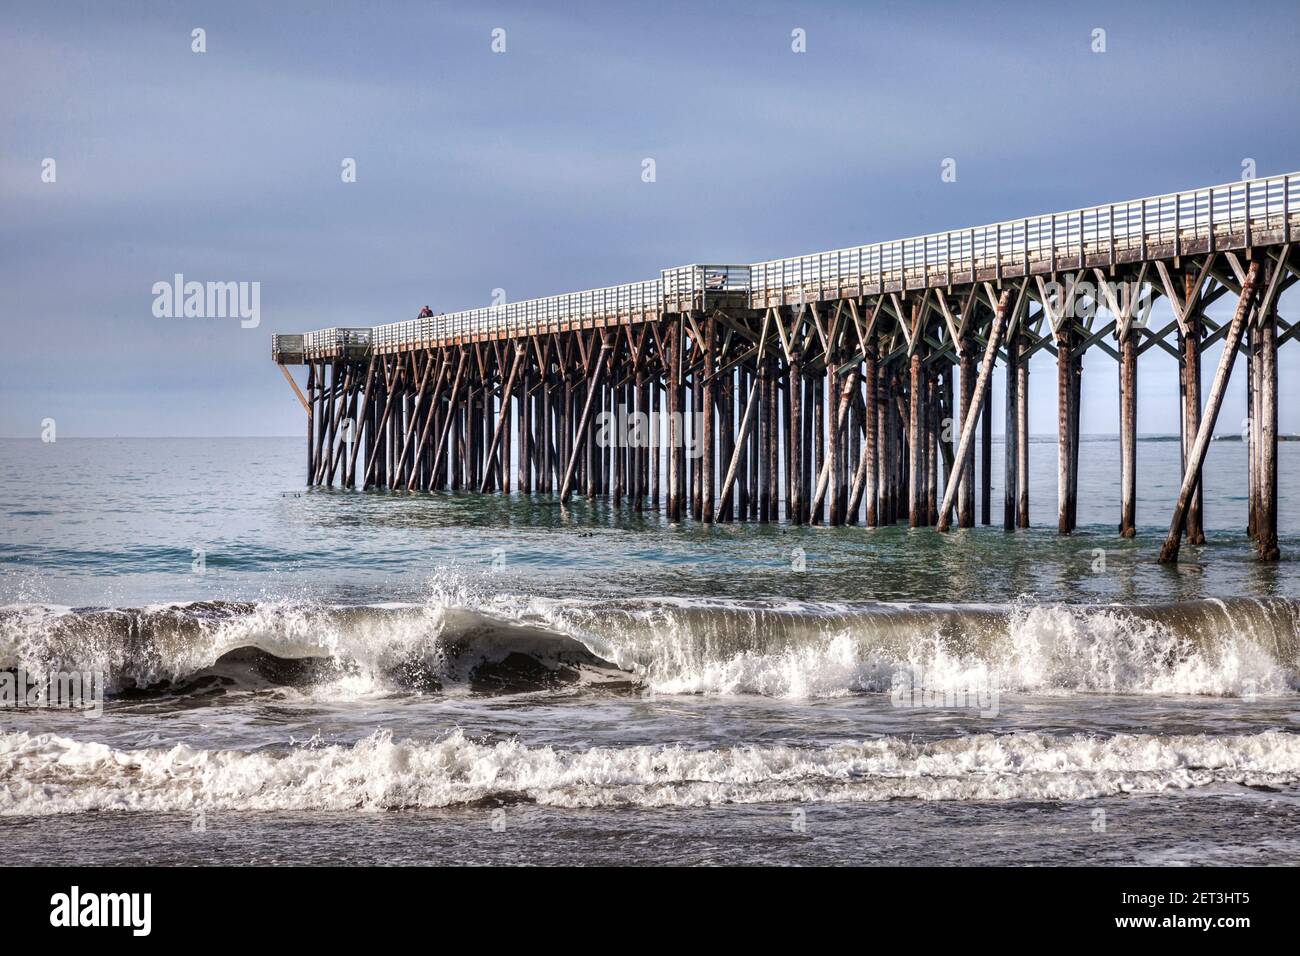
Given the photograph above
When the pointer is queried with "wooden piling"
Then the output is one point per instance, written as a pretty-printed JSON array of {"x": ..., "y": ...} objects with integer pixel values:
[
  {"x": 1065, "y": 444},
  {"x": 986, "y": 465},
  {"x": 966, "y": 464},
  {"x": 916, "y": 398},
  {"x": 1010, "y": 435},
  {"x": 1265, "y": 385},
  {"x": 1022, "y": 444},
  {"x": 1192, "y": 472},
  {"x": 980, "y": 400},
  {"x": 1128, "y": 435}
]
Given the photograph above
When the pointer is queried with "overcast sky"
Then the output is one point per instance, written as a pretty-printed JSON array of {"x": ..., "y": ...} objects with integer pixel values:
[{"x": 522, "y": 170}]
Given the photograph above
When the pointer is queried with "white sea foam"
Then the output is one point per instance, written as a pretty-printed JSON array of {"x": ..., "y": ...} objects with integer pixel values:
[
  {"x": 785, "y": 649},
  {"x": 43, "y": 774},
  {"x": 1246, "y": 648},
  {"x": 366, "y": 649}
]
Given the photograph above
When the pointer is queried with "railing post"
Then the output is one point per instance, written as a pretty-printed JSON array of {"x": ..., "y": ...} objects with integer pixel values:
[
  {"x": 1178, "y": 219},
  {"x": 1212, "y": 236},
  {"x": 1143, "y": 227},
  {"x": 1247, "y": 230}
]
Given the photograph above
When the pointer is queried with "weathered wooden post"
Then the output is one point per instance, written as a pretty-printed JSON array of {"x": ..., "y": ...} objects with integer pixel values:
[
  {"x": 1128, "y": 433},
  {"x": 676, "y": 435},
  {"x": 1190, "y": 348},
  {"x": 1192, "y": 474},
  {"x": 1266, "y": 385},
  {"x": 871, "y": 438},
  {"x": 794, "y": 427},
  {"x": 915, "y": 478},
  {"x": 1011, "y": 437},
  {"x": 981, "y": 397},
  {"x": 774, "y": 410},
  {"x": 502, "y": 418},
  {"x": 1065, "y": 444},
  {"x": 834, "y": 514},
  {"x": 584, "y": 424},
  {"x": 1022, "y": 443},
  {"x": 706, "y": 392},
  {"x": 809, "y": 410},
  {"x": 986, "y": 464},
  {"x": 1250, "y": 341},
  {"x": 966, "y": 463}
]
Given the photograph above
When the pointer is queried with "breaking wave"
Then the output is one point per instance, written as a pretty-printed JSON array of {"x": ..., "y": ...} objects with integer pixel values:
[
  {"x": 197, "y": 648},
  {"x": 503, "y": 643},
  {"x": 42, "y": 774}
]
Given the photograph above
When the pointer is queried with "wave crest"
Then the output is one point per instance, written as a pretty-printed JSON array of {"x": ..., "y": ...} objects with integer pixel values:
[
  {"x": 502, "y": 643},
  {"x": 49, "y": 774}
]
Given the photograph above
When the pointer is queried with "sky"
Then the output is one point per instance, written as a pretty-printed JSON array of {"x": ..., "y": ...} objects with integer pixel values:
[{"x": 522, "y": 170}]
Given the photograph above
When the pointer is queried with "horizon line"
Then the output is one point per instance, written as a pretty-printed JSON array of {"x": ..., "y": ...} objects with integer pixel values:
[{"x": 1282, "y": 436}]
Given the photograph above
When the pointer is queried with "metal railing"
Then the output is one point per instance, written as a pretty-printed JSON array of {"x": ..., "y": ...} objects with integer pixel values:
[
  {"x": 287, "y": 345},
  {"x": 700, "y": 286},
  {"x": 1233, "y": 215},
  {"x": 612, "y": 302},
  {"x": 326, "y": 340},
  {"x": 1196, "y": 220}
]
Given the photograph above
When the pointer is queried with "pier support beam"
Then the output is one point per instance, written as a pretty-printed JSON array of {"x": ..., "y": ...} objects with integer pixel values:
[
  {"x": 502, "y": 419},
  {"x": 986, "y": 464},
  {"x": 1265, "y": 385},
  {"x": 1190, "y": 389},
  {"x": 865, "y": 479},
  {"x": 996, "y": 329},
  {"x": 794, "y": 428},
  {"x": 1192, "y": 473},
  {"x": 1128, "y": 435},
  {"x": 1066, "y": 422},
  {"x": 706, "y": 392},
  {"x": 676, "y": 429},
  {"x": 1022, "y": 443},
  {"x": 311, "y": 423},
  {"x": 965, "y": 464},
  {"x": 1011, "y": 436},
  {"x": 915, "y": 475},
  {"x": 585, "y": 422},
  {"x": 762, "y": 437},
  {"x": 835, "y": 515},
  {"x": 1250, "y": 345}
]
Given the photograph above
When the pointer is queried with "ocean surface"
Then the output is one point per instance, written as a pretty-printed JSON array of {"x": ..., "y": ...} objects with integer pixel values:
[{"x": 328, "y": 676}]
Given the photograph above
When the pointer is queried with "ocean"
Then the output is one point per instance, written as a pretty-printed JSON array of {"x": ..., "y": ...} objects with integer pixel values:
[{"x": 295, "y": 676}]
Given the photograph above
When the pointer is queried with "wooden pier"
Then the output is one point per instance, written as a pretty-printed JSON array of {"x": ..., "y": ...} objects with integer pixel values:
[{"x": 846, "y": 387}]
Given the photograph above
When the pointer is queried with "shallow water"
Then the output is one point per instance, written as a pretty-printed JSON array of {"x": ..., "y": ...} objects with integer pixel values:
[{"x": 385, "y": 677}]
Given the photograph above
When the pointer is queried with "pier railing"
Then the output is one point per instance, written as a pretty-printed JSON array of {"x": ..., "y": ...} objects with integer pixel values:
[
  {"x": 699, "y": 287},
  {"x": 633, "y": 301},
  {"x": 337, "y": 342},
  {"x": 288, "y": 349},
  {"x": 1231, "y": 216}
]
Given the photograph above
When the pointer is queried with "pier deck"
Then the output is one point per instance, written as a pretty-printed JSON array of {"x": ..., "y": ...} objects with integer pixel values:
[{"x": 820, "y": 385}]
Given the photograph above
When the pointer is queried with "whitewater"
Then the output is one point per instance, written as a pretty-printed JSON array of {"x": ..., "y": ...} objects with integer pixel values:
[{"x": 461, "y": 679}]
